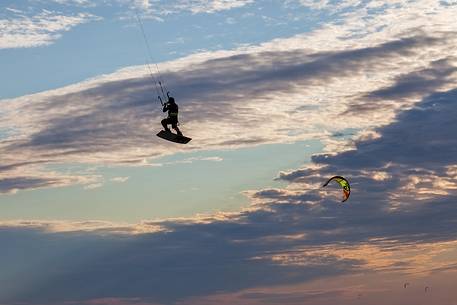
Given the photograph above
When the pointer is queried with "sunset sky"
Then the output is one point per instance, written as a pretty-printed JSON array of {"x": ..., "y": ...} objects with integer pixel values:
[{"x": 277, "y": 97}]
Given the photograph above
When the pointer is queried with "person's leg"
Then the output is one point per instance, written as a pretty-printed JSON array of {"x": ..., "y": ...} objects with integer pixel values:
[
  {"x": 175, "y": 127},
  {"x": 164, "y": 124}
]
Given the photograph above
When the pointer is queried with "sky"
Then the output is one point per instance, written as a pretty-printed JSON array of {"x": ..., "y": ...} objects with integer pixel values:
[{"x": 277, "y": 97}]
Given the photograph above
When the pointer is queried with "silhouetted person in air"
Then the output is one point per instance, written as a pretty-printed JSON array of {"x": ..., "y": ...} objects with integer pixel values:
[{"x": 172, "y": 119}]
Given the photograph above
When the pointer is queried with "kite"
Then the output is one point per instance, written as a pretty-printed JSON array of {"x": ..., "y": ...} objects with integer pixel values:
[{"x": 344, "y": 184}]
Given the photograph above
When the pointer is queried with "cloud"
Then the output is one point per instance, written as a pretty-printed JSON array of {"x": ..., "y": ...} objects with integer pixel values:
[
  {"x": 185, "y": 257},
  {"x": 397, "y": 85},
  {"x": 288, "y": 237},
  {"x": 249, "y": 96},
  {"x": 34, "y": 178},
  {"x": 112, "y": 119},
  {"x": 399, "y": 179},
  {"x": 341, "y": 7},
  {"x": 289, "y": 298},
  {"x": 142, "y": 4},
  {"x": 158, "y": 9},
  {"x": 84, "y": 3},
  {"x": 418, "y": 83},
  {"x": 93, "y": 227},
  {"x": 120, "y": 179},
  {"x": 23, "y": 30},
  {"x": 12, "y": 185},
  {"x": 191, "y": 160},
  {"x": 212, "y": 6}
]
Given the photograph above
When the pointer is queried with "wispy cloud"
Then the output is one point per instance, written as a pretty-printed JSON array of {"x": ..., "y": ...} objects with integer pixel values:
[
  {"x": 24, "y": 29},
  {"x": 158, "y": 9},
  {"x": 211, "y": 6},
  {"x": 74, "y": 2},
  {"x": 192, "y": 160},
  {"x": 120, "y": 179}
]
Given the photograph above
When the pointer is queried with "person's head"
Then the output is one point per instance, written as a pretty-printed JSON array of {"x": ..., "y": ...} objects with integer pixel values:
[{"x": 171, "y": 100}]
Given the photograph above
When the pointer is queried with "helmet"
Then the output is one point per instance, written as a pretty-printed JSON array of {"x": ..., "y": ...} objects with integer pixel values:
[{"x": 171, "y": 100}]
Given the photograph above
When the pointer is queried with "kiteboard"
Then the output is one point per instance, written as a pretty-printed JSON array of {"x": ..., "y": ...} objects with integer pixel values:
[{"x": 168, "y": 135}]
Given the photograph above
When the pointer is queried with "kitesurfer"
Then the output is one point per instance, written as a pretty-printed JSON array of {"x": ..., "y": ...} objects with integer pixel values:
[{"x": 172, "y": 119}]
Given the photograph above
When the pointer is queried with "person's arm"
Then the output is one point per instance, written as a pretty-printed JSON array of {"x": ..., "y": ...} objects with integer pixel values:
[{"x": 165, "y": 107}]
